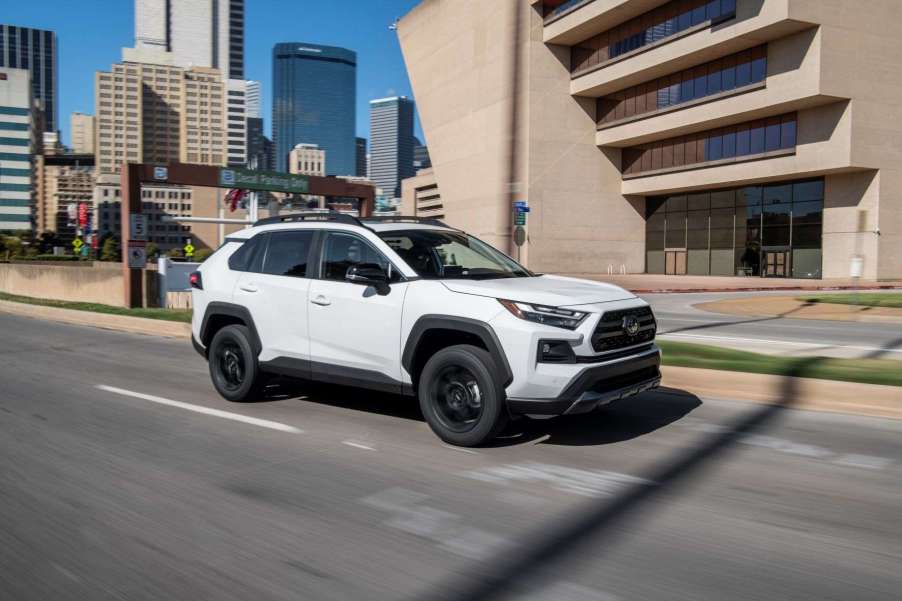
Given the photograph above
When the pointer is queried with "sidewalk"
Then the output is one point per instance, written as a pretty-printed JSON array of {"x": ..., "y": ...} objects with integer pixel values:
[
  {"x": 815, "y": 395},
  {"x": 651, "y": 283},
  {"x": 790, "y": 306}
]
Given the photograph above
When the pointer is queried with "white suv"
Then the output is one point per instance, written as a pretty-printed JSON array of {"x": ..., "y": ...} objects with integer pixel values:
[{"x": 415, "y": 307}]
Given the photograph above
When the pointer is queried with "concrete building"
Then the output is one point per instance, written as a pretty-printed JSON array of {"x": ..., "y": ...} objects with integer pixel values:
[
  {"x": 391, "y": 143},
  {"x": 36, "y": 51},
  {"x": 307, "y": 159},
  {"x": 314, "y": 101},
  {"x": 420, "y": 196},
  {"x": 362, "y": 159},
  {"x": 194, "y": 34},
  {"x": 253, "y": 100},
  {"x": 727, "y": 137},
  {"x": 152, "y": 113},
  {"x": 62, "y": 183},
  {"x": 81, "y": 133},
  {"x": 18, "y": 140}
]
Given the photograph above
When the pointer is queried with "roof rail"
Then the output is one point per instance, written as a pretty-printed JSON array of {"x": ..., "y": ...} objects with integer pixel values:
[
  {"x": 310, "y": 216},
  {"x": 407, "y": 219}
]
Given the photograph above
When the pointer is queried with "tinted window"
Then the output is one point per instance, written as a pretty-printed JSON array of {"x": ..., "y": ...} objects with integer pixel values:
[
  {"x": 341, "y": 251},
  {"x": 287, "y": 253},
  {"x": 243, "y": 259}
]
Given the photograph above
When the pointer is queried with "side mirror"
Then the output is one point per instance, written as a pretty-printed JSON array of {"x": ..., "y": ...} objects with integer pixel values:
[{"x": 369, "y": 274}]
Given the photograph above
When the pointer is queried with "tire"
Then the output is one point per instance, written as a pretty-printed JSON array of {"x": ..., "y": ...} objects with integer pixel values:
[
  {"x": 461, "y": 396},
  {"x": 233, "y": 365}
]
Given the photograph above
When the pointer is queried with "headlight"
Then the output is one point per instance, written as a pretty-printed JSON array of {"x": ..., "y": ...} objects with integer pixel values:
[{"x": 549, "y": 316}]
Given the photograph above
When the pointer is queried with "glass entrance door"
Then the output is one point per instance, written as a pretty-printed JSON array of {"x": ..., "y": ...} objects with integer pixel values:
[{"x": 775, "y": 262}]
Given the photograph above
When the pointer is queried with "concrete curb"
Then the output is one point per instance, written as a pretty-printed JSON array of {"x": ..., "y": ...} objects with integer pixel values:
[
  {"x": 815, "y": 395},
  {"x": 122, "y": 323}
]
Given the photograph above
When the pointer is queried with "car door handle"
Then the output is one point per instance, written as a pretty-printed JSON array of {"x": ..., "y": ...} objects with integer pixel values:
[
  {"x": 249, "y": 288},
  {"x": 321, "y": 300}
]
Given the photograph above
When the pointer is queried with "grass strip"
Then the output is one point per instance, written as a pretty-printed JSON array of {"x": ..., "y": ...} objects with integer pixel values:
[
  {"x": 887, "y": 372},
  {"x": 181, "y": 315},
  {"x": 864, "y": 299}
]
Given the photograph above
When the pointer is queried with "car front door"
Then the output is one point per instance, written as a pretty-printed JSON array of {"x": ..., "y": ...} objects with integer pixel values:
[
  {"x": 355, "y": 332},
  {"x": 275, "y": 291}
]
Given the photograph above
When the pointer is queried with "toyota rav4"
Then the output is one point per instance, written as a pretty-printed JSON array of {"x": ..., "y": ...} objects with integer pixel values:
[{"x": 415, "y": 307}]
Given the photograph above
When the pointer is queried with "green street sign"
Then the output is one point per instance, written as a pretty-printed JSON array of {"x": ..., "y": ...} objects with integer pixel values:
[
  {"x": 520, "y": 219},
  {"x": 263, "y": 180}
]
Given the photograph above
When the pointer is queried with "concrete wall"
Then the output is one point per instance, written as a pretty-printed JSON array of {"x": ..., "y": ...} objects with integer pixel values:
[{"x": 97, "y": 283}]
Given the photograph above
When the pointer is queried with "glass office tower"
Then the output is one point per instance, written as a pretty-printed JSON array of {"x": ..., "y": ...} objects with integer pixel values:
[{"x": 314, "y": 96}]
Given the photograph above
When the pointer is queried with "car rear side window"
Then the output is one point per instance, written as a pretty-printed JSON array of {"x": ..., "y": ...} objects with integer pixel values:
[
  {"x": 248, "y": 255},
  {"x": 288, "y": 253}
]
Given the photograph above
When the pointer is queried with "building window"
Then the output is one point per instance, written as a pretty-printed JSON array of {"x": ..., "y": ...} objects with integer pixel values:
[
  {"x": 685, "y": 86},
  {"x": 734, "y": 142},
  {"x": 652, "y": 27},
  {"x": 773, "y": 230}
]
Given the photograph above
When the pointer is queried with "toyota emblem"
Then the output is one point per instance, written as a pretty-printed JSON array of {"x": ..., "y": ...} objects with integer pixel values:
[{"x": 630, "y": 325}]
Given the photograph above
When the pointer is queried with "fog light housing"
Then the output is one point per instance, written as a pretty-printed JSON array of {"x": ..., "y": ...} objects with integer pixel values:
[{"x": 555, "y": 351}]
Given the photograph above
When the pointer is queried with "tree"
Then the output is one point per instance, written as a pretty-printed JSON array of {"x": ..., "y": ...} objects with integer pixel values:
[
  {"x": 174, "y": 253},
  {"x": 110, "y": 250},
  {"x": 152, "y": 250},
  {"x": 202, "y": 255},
  {"x": 13, "y": 247}
]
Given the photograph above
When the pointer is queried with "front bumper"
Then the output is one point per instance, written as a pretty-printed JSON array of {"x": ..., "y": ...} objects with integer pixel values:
[{"x": 597, "y": 386}]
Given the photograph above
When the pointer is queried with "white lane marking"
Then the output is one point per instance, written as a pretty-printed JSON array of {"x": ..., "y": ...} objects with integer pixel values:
[
  {"x": 263, "y": 423},
  {"x": 783, "y": 342},
  {"x": 357, "y": 445},
  {"x": 568, "y": 591},
  {"x": 460, "y": 450},
  {"x": 867, "y": 462},
  {"x": 595, "y": 483}
]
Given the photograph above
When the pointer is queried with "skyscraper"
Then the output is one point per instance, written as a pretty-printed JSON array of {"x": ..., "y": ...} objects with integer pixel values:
[
  {"x": 35, "y": 51},
  {"x": 314, "y": 93},
  {"x": 252, "y": 100},
  {"x": 17, "y": 144},
  {"x": 81, "y": 137},
  {"x": 361, "y": 157},
  {"x": 199, "y": 33},
  {"x": 391, "y": 143}
]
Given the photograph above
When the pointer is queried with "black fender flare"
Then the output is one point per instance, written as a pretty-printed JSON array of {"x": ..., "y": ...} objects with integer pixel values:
[
  {"x": 477, "y": 328},
  {"x": 232, "y": 310}
]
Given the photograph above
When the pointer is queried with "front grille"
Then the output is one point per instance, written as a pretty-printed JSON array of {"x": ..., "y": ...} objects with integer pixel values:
[{"x": 609, "y": 335}]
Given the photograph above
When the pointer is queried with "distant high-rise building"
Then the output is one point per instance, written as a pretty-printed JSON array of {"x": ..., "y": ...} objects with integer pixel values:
[
  {"x": 62, "y": 182},
  {"x": 314, "y": 96},
  {"x": 198, "y": 33},
  {"x": 35, "y": 51},
  {"x": 361, "y": 158},
  {"x": 307, "y": 159},
  {"x": 18, "y": 140},
  {"x": 256, "y": 151},
  {"x": 81, "y": 133},
  {"x": 252, "y": 100},
  {"x": 391, "y": 143},
  {"x": 420, "y": 156},
  {"x": 170, "y": 114}
]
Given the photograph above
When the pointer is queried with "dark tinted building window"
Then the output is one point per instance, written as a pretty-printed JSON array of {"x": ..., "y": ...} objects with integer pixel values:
[{"x": 287, "y": 253}]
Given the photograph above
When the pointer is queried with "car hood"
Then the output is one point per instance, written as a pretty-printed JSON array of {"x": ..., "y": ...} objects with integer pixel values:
[{"x": 552, "y": 290}]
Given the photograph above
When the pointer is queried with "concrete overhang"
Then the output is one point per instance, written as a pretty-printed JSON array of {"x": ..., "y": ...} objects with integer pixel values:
[
  {"x": 824, "y": 146},
  {"x": 756, "y": 22},
  {"x": 796, "y": 81},
  {"x": 593, "y": 17}
]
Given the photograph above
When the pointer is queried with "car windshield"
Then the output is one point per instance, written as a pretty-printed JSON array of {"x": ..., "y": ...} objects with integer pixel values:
[{"x": 437, "y": 254}]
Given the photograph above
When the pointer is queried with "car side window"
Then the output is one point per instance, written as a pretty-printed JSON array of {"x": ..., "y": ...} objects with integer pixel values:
[
  {"x": 287, "y": 253},
  {"x": 245, "y": 257},
  {"x": 341, "y": 251}
]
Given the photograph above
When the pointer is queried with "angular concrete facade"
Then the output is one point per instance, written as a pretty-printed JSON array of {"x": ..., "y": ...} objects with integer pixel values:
[{"x": 830, "y": 72}]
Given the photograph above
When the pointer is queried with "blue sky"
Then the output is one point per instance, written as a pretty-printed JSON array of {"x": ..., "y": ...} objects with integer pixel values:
[{"x": 91, "y": 35}]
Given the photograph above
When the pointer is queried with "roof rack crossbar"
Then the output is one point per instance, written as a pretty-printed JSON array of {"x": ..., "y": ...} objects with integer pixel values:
[
  {"x": 407, "y": 219},
  {"x": 310, "y": 216}
]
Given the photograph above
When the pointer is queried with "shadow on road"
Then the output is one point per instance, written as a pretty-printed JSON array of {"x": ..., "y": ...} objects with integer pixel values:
[
  {"x": 618, "y": 422},
  {"x": 721, "y": 324},
  {"x": 548, "y": 555}
]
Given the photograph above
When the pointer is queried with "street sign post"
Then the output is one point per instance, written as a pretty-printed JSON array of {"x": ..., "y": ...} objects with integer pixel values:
[
  {"x": 77, "y": 244},
  {"x": 519, "y": 236},
  {"x": 137, "y": 255},
  {"x": 137, "y": 226},
  {"x": 189, "y": 250}
]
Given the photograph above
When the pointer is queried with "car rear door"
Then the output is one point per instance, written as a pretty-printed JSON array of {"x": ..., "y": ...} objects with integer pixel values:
[
  {"x": 355, "y": 333},
  {"x": 275, "y": 291}
]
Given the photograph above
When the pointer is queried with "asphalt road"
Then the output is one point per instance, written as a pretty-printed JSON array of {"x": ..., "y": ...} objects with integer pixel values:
[
  {"x": 124, "y": 476},
  {"x": 679, "y": 320}
]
